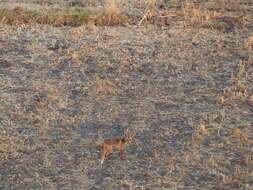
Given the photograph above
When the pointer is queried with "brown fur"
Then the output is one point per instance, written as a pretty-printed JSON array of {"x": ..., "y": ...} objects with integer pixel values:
[{"x": 111, "y": 144}]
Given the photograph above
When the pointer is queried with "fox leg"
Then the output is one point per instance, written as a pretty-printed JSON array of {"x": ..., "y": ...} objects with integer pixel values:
[
  {"x": 105, "y": 153},
  {"x": 103, "y": 156},
  {"x": 122, "y": 153},
  {"x": 108, "y": 152}
]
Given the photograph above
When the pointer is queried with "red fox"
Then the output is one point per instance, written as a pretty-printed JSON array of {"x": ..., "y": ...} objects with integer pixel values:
[{"x": 109, "y": 145}]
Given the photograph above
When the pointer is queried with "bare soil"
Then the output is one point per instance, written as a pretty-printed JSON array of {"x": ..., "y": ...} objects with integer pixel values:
[{"x": 183, "y": 87}]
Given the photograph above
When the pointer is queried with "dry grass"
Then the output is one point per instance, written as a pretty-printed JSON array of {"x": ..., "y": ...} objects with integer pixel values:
[
  {"x": 201, "y": 14},
  {"x": 197, "y": 15},
  {"x": 182, "y": 83},
  {"x": 112, "y": 15},
  {"x": 19, "y": 15},
  {"x": 68, "y": 16}
]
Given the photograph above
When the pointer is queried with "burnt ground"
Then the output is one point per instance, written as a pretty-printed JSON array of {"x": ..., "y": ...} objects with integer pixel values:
[{"x": 185, "y": 92}]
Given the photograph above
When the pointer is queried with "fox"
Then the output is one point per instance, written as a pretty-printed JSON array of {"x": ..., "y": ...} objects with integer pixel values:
[{"x": 109, "y": 145}]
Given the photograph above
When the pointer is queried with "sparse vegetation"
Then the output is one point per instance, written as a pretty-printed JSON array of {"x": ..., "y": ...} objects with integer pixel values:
[
  {"x": 68, "y": 16},
  {"x": 75, "y": 73}
]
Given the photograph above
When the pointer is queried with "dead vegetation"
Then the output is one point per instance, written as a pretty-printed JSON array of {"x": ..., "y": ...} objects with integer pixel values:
[
  {"x": 208, "y": 15},
  {"x": 178, "y": 73},
  {"x": 60, "y": 17}
]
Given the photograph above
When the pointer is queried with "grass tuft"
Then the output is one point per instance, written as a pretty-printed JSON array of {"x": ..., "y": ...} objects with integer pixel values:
[
  {"x": 112, "y": 15},
  {"x": 16, "y": 15},
  {"x": 70, "y": 16}
]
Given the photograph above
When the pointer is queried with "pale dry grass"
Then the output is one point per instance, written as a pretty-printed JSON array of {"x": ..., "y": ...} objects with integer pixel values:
[{"x": 185, "y": 90}]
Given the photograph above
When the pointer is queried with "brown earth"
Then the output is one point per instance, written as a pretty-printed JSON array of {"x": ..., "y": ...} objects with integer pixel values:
[{"x": 181, "y": 82}]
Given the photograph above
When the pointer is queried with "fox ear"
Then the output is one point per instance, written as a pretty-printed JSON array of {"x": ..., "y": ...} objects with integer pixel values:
[{"x": 126, "y": 133}]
